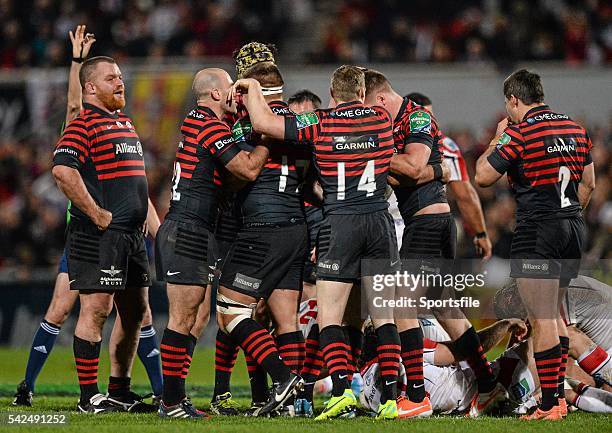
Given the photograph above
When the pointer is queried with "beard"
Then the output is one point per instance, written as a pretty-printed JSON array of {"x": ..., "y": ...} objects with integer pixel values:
[{"x": 111, "y": 101}]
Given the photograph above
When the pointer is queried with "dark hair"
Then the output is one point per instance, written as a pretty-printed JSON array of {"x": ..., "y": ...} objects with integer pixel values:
[
  {"x": 419, "y": 98},
  {"x": 346, "y": 82},
  {"x": 524, "y": 85},
  {"x": 304, "y": 96},
  {"x": 266, "y": 73},
  {"x": 374, "y": 80},
  {"x": 89, "y": 66}
]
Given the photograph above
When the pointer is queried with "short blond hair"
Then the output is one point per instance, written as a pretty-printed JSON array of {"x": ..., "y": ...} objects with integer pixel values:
[{"x": 346, "y": 82}]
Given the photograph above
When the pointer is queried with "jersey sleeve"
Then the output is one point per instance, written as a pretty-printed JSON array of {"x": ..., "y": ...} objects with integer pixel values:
[
  {"x": 72, "y": 149},
  {"x": 216, "y": 136},
  {"x": 588, "y": 159},
  {"x": 303, "y": 127},
  {"x": 508, "y": 151},
  {"x": 420, "y": 127}
]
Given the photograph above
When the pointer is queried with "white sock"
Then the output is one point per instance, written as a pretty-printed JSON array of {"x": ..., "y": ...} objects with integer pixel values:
[{"x": 594, "y": 400}]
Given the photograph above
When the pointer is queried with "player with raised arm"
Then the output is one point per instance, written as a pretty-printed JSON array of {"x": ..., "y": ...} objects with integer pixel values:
[
  {"x": 547, "y": 158},
  {"x": 429, "y": 234},
  {"x": 63, "y": 298},
  {"x": 186, "y": 246},
  {"x": 353, "y": 145},
  {"x": 463, "y": 191}
]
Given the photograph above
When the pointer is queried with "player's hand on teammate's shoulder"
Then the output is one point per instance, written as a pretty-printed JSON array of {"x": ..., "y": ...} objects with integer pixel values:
[
  {"x": 102, "y": 218},
  {"x": 501, "y": 127},
  {"x": 81, "y": 42}
]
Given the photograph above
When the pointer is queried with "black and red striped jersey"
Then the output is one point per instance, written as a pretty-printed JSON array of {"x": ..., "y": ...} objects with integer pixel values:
[
  {"x": 206, "y": 146},
  {"x": 275, "y": 196},
  {"x": 105, "y": 148},
  {"x": 544, "y": 156},
  {"x": 415, "y": 124},
  {"x": 353, "y": 146}
]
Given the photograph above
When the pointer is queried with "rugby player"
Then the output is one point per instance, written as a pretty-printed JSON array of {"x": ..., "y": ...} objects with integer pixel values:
[
  {"x": 357, "y": 224},
  {"x": 99, "y": 165},
  {"x": 450, "y": 382},
  {"x": 300, "y": 102},
  {"x": 267, "y": 258},
  {"x": 547, "y": 158},
  {"x": 186, "y": 246},
  {"x": 63, "y": 299},
  {"x": 429, "y": 233},
  {"x": 464, "y": 193}
]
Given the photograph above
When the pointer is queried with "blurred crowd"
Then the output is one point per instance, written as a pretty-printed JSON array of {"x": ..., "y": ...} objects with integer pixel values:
[
  {"x": 33, "y": 32},
  {"x": 32, "y": 210}
]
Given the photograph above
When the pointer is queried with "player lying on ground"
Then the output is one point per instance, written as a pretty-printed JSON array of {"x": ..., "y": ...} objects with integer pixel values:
[{"x": 63, "y": 299}]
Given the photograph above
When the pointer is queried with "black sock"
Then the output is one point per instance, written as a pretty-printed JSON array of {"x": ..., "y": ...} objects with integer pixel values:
[
  {"x": 354, "y": 337},
  {"x": 313, "y": 362},
  {"x": 335, "y": 353},
  {"x": 547, "y": 364},
  {"x": 291, "y": 350},
  {"x": 173, "y": 354},
  {"x": 87, "y": 357},
  {"x": 412, "y": 358},
  {"x": 226, "y": 351},
  {"x": 388, "y": 350},
  {"x": 258, "y": 380},
  {"x": 564, "y": 341},
  {"x": 469, "y": 348},
  {"x": 118, "y": 386},
  {"x": 256, "y": 341}
]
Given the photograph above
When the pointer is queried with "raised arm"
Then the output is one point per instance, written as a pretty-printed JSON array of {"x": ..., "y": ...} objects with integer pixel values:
[
  {"x": 486, "y": 174},
  {"x": 81, "y": 44},
  {"x": 262, "y": 118}
]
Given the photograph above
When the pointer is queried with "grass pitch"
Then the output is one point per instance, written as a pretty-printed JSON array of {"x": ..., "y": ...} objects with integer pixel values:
[{"x": 57, "y": 391}]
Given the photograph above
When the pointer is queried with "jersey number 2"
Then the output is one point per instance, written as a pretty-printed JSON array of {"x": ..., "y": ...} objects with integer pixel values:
[{"x": 367, "y": 181}]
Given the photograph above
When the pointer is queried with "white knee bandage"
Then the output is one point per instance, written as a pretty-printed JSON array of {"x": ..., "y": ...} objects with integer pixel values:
[{"x": 228, "y": 306}]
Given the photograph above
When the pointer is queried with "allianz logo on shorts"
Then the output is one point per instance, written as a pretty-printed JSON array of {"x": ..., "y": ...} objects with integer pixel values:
[
  {"x": 535, "y": 266},
  {"x": 113, "y": 279},
  {"x": 245, "y": 282},
  {"x": 329, "y": 266}
]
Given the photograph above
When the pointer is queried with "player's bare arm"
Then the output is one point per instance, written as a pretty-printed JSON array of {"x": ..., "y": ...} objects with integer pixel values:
[
  {"x": 413, "y": 162},
  {"x": 489, "y": 338},
  {"x": 71, "y": 183},
  {"x": 586, "y": 185},
  {"x": 471, "y": 210},
  {"x": 152, "y": 223},
  {"x": 262, "y": 118},
  {"x": 81, "y": 45},
  {"x": 246, "y": 166},
  {"x": 486, "y": 175}
]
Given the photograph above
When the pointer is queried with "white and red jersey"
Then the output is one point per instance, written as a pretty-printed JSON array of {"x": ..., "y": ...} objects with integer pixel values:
[
  {"x": 454, "y": 160},
  {"x": 307, "y": 316}
]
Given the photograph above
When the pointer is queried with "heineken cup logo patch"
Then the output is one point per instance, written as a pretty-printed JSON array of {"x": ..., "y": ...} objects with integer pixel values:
[
  {"x": 504, "y": 139},
  {"x": 304, "y": 120},
  {"x": 241, "y": 130},
  {"x": 420, "y": 121}
]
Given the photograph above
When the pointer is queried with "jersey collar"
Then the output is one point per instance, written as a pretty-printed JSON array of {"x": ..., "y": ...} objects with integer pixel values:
[
  {"x": 401, "y": 110},
  {"x": 207, "y": 111},
  {"x": 345, "y": 105},
  {"x": 100, "y": 111},
  {"x": 537, "y": 109}
]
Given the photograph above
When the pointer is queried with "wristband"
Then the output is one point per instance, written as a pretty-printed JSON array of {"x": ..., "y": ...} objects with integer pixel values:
[
  {"x": 481, "y": 235},
  {"x": 78, "y": 59},
  {"x": 437, "y": 169}
]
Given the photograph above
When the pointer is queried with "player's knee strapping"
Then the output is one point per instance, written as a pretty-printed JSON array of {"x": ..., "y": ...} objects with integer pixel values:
[{"x": 228, "y": 306}]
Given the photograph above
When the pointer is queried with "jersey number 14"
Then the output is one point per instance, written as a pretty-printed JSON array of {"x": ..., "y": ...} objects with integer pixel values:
[{"x": 367, "y": 181}]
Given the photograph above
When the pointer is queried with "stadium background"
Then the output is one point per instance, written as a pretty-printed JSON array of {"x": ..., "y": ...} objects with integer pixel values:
[{"x": 456, "y": 52}]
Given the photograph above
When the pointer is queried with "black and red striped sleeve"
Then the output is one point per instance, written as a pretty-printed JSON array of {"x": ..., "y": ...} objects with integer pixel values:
[
  {"x": 72, "y": 149},
  {"x": 303, "y": 127},
  {"x": 216, "y": 136},
  {"x": 509, "y": 149}
]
